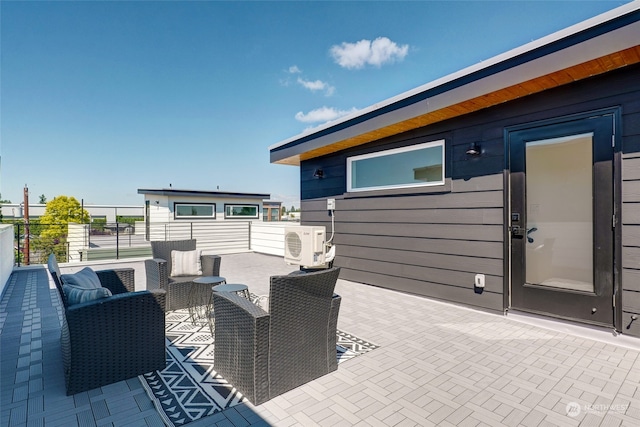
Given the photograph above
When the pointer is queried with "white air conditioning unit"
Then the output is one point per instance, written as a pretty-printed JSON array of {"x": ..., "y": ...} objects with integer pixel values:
[{"x": 304, "y": 245}]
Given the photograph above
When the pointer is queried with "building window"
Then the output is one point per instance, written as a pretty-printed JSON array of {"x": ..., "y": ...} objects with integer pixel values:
[
  {"x": 241, "y": 211},
  {"x": 414, "y": 166},
  {"x": 194, "y": 210},
  {"x": 271, "y": 214}
]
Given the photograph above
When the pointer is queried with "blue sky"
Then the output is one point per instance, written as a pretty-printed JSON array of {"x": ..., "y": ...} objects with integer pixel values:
[{"x": 99, "y": 99}]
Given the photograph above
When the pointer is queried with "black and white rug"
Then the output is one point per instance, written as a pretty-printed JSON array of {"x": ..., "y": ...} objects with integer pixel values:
[{"x": 189, "y": 388}]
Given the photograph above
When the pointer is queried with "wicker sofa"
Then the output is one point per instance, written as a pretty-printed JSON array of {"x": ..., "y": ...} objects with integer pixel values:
[
  {"x": 111, "y": 338},
  {"x": 266, "y": 354},
  {"x": 159, "y": 269}
]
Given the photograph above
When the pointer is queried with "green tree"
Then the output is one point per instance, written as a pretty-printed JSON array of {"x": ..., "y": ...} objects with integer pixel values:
[
  {"x": 43, "y": 199},
  {"x": 284, "y": 211},
  {"x": 129, "y": 219},
  {"x": 1, "y": 202},
  {"x": 58, "y": 213}
]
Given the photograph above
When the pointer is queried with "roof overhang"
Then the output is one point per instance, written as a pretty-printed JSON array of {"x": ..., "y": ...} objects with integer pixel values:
[
  {"x": 595, "y": 46},
  {"x": 170, "y": 192}
]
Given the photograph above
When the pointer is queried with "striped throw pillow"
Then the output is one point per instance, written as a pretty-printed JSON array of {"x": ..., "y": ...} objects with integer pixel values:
[{"x": 186, "y": 263}]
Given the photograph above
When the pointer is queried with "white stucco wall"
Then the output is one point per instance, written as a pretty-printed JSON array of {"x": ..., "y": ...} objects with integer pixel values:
[
  {"x": 6, "y": 254},
  {"x": 161, "y": 207}
]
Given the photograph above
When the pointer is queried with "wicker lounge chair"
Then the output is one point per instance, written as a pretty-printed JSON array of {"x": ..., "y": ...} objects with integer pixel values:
[
  {"x": 266, "y": 354},
  {"x": 159, "y": 269},
  {"x": 114, "y": 338}
]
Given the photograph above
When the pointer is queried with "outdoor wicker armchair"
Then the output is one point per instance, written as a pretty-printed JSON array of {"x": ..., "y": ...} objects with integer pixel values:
[
  {"x": 159, "y": 269},
  {"x": 266, "y": 354},
  {"x": 112, "y": 338}
]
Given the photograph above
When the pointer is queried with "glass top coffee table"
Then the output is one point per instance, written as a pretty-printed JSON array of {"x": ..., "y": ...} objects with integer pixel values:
[{"x": 200, "y": 302}]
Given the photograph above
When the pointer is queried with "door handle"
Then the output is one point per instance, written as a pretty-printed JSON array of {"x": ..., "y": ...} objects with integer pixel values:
[{"x": 518, "y": 231}]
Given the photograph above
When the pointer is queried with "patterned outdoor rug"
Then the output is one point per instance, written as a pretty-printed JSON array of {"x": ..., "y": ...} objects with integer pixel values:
[{"x": 189, "y": 388}]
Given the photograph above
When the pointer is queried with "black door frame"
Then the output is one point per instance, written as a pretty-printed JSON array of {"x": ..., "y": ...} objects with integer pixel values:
[{"x": 615, "y": 112}]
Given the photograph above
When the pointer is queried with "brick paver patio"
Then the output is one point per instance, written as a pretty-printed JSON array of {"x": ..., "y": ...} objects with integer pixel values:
[{"x": 438, "y": 364}]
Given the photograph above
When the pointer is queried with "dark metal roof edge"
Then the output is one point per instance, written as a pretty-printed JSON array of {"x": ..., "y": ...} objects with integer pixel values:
[
  {"x": 528, "y": 56},
  {"x": 200, "y": 193}
]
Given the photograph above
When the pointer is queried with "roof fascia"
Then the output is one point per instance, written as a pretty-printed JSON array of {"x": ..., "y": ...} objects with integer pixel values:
[{"x": 196, "y": 193}]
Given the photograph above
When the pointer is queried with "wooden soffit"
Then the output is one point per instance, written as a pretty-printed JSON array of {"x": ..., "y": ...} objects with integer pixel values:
[{"x": 565, "y": 76}]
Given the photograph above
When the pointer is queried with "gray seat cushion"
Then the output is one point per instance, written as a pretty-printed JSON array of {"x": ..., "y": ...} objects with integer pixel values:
[{"x": 83, "y": 286}]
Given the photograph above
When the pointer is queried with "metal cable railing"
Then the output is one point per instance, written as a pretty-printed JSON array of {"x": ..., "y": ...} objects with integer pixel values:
[{"x": 101, "y": 241}]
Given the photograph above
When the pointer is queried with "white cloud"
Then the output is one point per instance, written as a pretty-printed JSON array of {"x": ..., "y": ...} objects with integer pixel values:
[
  {"x": 323, "y": 114},
  {"x": 294, "y": 70},
  {"x": 366, "y": 52},
  {"x": 317, "y": 85}
]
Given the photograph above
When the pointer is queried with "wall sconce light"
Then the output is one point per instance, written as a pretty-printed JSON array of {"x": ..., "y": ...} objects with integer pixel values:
[
  {"x": 474, "y": 149},
  {"x": 318, "y": 173},
  {"x": 157, "y": 202}
]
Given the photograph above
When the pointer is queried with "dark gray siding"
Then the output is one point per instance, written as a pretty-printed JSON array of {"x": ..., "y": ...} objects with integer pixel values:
[
  {"x": 631, "y": 215},
  {"x": 433, "y": 243},
  {"x": 427, "y": 245}
]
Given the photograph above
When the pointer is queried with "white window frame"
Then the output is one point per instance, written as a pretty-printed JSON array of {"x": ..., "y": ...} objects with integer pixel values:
[
  {"x": 180, "y": 217},
  {"x": 393, "y": 151},
  {"x": 257, "y": 207}
]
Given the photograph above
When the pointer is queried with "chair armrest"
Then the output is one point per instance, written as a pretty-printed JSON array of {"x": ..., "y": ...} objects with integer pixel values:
[
  {"x": 210, "y": 265},
  {"x": 157, "y": 275},
  {"x": 241, "y": 353},
  {"x": 332, "y": 360},
  {"x": 118, "y": 280}
]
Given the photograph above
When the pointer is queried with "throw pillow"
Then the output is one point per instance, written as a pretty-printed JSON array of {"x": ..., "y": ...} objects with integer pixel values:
[
  {"x": 85, "y": 278},
  {"x": 83, "y": 286},
  {"x": 77, "y": 295},
  {"x": 186, "y": 263}
]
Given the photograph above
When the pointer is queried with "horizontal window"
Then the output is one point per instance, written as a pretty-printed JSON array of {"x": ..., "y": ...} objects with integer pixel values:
[
  {"x": 241, "y": 211},
  {"x": 414, "y": 166},
  {"x": 194, "y": 210}
]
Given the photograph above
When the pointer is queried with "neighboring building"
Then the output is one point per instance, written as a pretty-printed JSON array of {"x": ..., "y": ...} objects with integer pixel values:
[
  {"x": 109, "y": 213},
  {"x": 271, "y": 211},
  {"x": 168, "y": 205},
  {"x": 510, "y": 185}
]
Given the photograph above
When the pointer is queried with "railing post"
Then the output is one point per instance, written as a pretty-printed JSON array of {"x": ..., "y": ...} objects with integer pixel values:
[
  {"x": 19, "y": 246},
  {"x": 191, "y": 230},
  {"x": 117, "y": 240}
]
